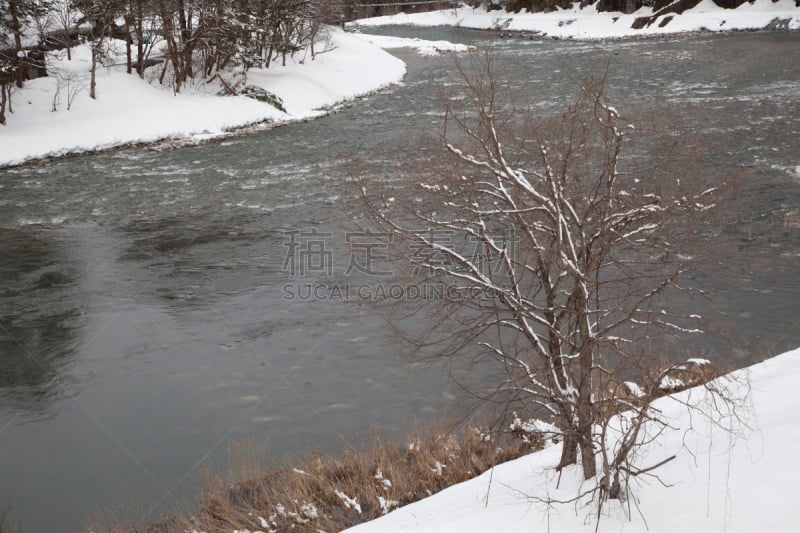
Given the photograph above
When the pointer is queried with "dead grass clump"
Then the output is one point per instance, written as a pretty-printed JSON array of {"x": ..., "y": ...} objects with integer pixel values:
[
  {"x": 614, "y": 396},
  {"x": 327, "y": 493}
]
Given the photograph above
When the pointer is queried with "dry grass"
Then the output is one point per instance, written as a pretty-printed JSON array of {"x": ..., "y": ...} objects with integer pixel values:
[
  {"x": 326, "y": 493},
  {"x": 614, "y": 395},
  {"x": 330, "y": 494}
]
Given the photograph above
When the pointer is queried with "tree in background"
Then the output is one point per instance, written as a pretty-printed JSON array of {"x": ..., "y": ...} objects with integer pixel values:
[
  {"x": 101, "y": 15},
  {"x": 199, "y": 38},
  {"x": 207, "y": 36},
  {"x": 137, "y": 16},
  {"x": 6, "y": 80},
  {"x": 12, "y": 13},
  {"x": 64, "y": 17}
]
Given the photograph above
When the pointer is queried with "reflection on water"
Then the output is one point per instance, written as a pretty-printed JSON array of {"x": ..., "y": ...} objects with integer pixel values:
[
  {"x": 40, "y": 318},
  {"x": 143, "y": 322}
]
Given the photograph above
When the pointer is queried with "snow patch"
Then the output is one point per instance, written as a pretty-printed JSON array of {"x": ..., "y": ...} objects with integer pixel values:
[
  {"x": 422, "y": 46},
  {"x": 349, "y": 503},
  {"x": 718, "y": 481}
]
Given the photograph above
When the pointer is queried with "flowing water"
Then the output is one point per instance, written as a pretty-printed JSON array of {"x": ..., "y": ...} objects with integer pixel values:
[{"x": 144, "y": 318}]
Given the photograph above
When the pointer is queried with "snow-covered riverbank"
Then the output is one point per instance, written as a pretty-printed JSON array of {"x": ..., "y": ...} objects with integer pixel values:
[
  {"x": 131, "y": 111},
  {"x": 588, "y": 23},
  {"x": 719, "y": 481}
]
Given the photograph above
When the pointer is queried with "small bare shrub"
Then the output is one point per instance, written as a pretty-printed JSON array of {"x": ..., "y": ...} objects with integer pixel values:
[{"x": 69, "y": 83}]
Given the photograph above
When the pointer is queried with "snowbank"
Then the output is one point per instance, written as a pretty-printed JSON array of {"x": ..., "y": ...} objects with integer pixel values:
[
  {"x": 717, "y": 483},
  {"x": 422, "y": 46},
  {"x": 588, "y": 23},
  {"x": 130, "y": 111}
]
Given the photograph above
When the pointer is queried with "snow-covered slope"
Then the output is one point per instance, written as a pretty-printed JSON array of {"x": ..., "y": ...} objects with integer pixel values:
[
  {"x": 422, "y": 46},
  {"x": 719, "y": 482},
  {"x": 129, "y": 110},
  {"x": 588, "y": 23}
]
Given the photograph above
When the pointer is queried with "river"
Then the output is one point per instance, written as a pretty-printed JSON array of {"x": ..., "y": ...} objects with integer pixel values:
[{"x": 144, "y": 324}]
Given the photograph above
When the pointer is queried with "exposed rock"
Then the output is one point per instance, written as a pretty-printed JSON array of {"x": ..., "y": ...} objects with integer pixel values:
[
  {"x": 263, "y": 95},
  {"x": 664, "y": 7},
  {"x": 731, "y": 4},
  {"x": 665, "y": 21},
  {"x": 537, "y": 6},
  {"x": 778, "y": 24},
  {"x": 625, "y": 6}
]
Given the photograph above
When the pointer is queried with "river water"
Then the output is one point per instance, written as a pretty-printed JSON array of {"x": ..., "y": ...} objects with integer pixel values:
[{"x": 144, "y": 323}]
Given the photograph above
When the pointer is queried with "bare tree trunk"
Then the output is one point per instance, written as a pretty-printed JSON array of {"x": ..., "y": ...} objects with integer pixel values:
[
  {"x": 139, "y": 39},
  {"x": 93, "y": 82},
  {"x": 182, "y": 20},
  {"x": 64, "y": 18},
  {"x": 585, "y": 387},
  {"x": 3, "y": 104},
  {"x": 17, "y": 29},
  {"x": 588, "y": 460},
  {"x": 569, "y": 451},
  {"x": 186, "y": 40},
  {"x": 172, "y": 47},
  {"x": 67, "y": 37},
  {"x": 188, "y": 54},
  {"x": 128, "y": 44}
]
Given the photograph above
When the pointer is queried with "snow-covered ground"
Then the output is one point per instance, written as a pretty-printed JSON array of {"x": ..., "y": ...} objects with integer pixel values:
[
  {"x": 129, "y": 110},
  {"x": 588, "y": 23},
  {"x": 422, "y": 46},
  {"x": 720, "y": 481}
]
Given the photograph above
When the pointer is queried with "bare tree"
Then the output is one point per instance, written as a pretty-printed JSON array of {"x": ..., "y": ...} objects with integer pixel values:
[
  {"x": 319, "y": 13},
  {"x": 564, "y": 239},
  {"x": 7, "y": 74},
  {"x": 5, "y": 90},
  {"x": 135, "y": 20},
  {"x": 183, "y": 28},
  {"x": 100, "y": 14},
  {"x": 63, "y": 14},
  {"x": 16, "y": 13},
  {"x": 69, "y": 83}
]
